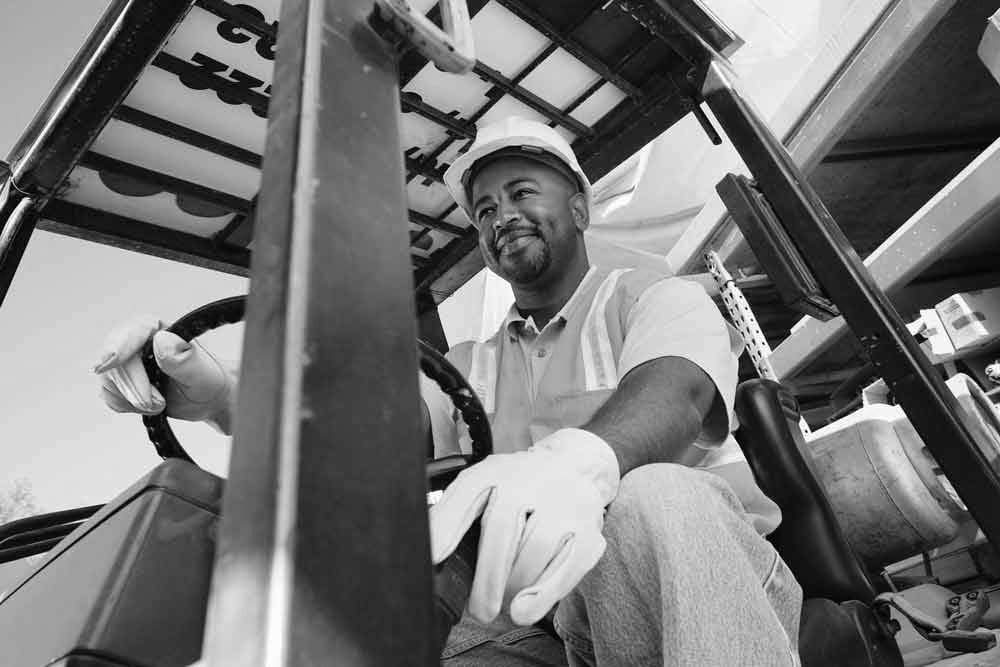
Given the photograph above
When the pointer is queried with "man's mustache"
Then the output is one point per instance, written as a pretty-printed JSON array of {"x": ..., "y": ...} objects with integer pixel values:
[{"x": 504, "y": 234}]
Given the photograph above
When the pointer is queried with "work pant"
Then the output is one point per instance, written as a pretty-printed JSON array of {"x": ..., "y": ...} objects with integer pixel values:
[{"x": 685, "y": 581}]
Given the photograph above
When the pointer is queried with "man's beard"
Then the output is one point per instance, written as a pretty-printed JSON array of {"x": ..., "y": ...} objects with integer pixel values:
[{"x": 527, "y": 265}]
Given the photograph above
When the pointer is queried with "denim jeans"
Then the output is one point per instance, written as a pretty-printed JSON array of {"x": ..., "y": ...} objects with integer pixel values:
[{"x": 685, "y": 581}]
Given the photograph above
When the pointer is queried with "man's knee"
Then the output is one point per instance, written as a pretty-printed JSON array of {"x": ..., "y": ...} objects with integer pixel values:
[{"x": 659, "y": 486}]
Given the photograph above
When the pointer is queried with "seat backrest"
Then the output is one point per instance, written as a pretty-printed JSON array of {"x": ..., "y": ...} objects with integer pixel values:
[{"x": 809, "y": 539}]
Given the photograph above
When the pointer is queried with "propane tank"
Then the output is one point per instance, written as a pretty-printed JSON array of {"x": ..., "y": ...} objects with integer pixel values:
[{"x": 885, "y": 487}]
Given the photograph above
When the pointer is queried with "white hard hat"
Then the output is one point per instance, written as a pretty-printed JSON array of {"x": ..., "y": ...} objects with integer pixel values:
[{"x": 529, "y": 138}]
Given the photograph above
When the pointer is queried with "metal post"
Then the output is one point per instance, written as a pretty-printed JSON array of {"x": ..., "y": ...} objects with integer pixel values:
[
  {"x": 17, "y": 220},
  {"x": 930, "y": 406},
  {"x": 324, "y": 557}
]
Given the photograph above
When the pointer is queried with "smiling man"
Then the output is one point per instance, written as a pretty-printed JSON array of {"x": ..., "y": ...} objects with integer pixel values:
[{"x": 617, "y": 496}]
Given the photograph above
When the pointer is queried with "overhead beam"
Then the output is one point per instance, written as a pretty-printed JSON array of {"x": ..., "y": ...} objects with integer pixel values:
[
  {"x": 168, "y": 183},
  {"x": 923, "y": 144},
  {"x": 568, "y": 43},
  {"x": 186, "y": 135},
  {"x": 63, "y": 217}
]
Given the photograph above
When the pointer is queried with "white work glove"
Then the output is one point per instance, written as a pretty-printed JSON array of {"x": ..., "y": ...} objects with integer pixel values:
[
  {"x": 199, "y": 386},
  {"x": 542, "y": 514}
]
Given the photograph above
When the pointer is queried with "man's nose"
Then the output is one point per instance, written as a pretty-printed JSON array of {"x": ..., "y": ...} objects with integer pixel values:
[{"x": 506, "y": 214}]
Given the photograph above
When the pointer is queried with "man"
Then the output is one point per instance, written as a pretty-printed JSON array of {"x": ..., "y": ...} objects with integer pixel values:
[{"x": 616, "y": 496}]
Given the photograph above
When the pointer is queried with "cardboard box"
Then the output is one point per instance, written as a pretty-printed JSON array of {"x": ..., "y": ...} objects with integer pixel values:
[
  {"x": 989, "y": 47},
  {"x": 971, "y": 319},
  {"x": 936, "y": 344}
]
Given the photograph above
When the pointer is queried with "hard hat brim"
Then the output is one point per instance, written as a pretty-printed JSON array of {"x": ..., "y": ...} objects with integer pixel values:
[{"x": 454, "y": 176}]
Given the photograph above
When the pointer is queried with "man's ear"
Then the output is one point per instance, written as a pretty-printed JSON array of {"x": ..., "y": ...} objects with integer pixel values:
[{"x": 578, "y": 208}]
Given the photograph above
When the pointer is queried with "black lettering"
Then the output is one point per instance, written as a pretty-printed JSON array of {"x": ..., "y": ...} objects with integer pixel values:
[
  {"x": 262, "y": 113},
  {"x": 231, "y": 32},
  {"x": 244, "y": 83},
  {"x": 201, "y": 79},
  {"x": 265, "y": 45}
]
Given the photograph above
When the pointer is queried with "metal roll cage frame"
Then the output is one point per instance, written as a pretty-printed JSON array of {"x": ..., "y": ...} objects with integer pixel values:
[{"x": 286, "y": 577}]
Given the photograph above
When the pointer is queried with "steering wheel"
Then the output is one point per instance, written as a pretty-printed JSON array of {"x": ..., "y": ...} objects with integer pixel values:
[
  {"x": 453, "y": 577},
  {"x": 231, "y": 311}
]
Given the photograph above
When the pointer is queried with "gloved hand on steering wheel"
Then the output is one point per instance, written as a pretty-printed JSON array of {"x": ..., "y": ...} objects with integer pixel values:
[
  {"x": 542, "y": 514},
  {"x": 200, "y": 386}
]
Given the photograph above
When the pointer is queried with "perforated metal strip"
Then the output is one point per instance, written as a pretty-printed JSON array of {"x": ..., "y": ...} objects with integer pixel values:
[{"x": 745, "y": 321}]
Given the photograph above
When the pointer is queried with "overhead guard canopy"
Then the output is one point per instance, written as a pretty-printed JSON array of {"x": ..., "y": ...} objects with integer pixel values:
[{"x": 175, "y": 172}]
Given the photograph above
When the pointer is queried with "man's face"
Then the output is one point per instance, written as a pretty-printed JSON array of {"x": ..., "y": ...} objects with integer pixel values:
[{"x": 529, "y": 217}]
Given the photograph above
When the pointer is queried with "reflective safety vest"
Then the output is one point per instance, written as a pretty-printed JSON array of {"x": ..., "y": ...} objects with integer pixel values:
[
  {"x": 582, "y": 370},
  {"x": 581, "y": 374}
]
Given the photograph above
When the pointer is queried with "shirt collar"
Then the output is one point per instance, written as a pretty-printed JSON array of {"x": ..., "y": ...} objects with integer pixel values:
[{"x": 576, "y": 302}]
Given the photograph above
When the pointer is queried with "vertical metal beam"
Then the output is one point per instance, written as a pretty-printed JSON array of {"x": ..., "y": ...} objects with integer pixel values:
[
  {"x": 930, "y": 406},
  {"x": 17, "y": 221},
  {"x": 324, "y": 555}
]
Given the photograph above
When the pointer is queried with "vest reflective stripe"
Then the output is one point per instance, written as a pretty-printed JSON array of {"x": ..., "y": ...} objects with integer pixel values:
[
  {"x": 600, "y": 369},
  {"x": 483, "y": 373}
]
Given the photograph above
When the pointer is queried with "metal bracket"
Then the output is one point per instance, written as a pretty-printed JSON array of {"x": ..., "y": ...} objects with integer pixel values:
[
  {"x": 774, "y": 248},
  {"x": 451, "y": 49}
]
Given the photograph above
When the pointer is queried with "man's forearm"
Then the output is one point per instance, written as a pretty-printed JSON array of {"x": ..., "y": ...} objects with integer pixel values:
[{"x": 656, "y": 413}]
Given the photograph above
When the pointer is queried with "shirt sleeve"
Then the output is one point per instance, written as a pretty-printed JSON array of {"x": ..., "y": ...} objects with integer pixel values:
[
  {"x": 447, "y": 429},
  {"x": 676, "y": 318},
  {"x": 442, "y": 414}
]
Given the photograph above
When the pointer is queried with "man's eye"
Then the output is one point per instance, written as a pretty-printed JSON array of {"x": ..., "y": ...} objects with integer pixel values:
[
  {"x": 523, "y": 192},
  {"x": 485, "y": 213}
]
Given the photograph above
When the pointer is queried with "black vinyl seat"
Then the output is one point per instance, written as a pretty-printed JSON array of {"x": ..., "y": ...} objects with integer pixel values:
[{"x": 839, "y": 624}]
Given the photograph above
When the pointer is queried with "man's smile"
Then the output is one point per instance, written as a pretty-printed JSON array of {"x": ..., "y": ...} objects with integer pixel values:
[{"x": 511, "y": 240}]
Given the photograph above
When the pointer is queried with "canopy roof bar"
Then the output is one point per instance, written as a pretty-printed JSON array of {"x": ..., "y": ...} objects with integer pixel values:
[
  {"x": 453, "y": 123},
  {"x": 148, "y": 121},
  {"x": 435, "y": 223},
  {"x": 566, "y": 41},
  {"x": 120, "y": 231},
  {"x": 178, "y": 186},
  {"x": 428, "y": 169},
  {"x": 521, "y": 94}
]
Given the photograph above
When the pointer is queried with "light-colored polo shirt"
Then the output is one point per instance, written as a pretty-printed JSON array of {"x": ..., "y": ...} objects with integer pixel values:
[{"x": 533, "y": 382}]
